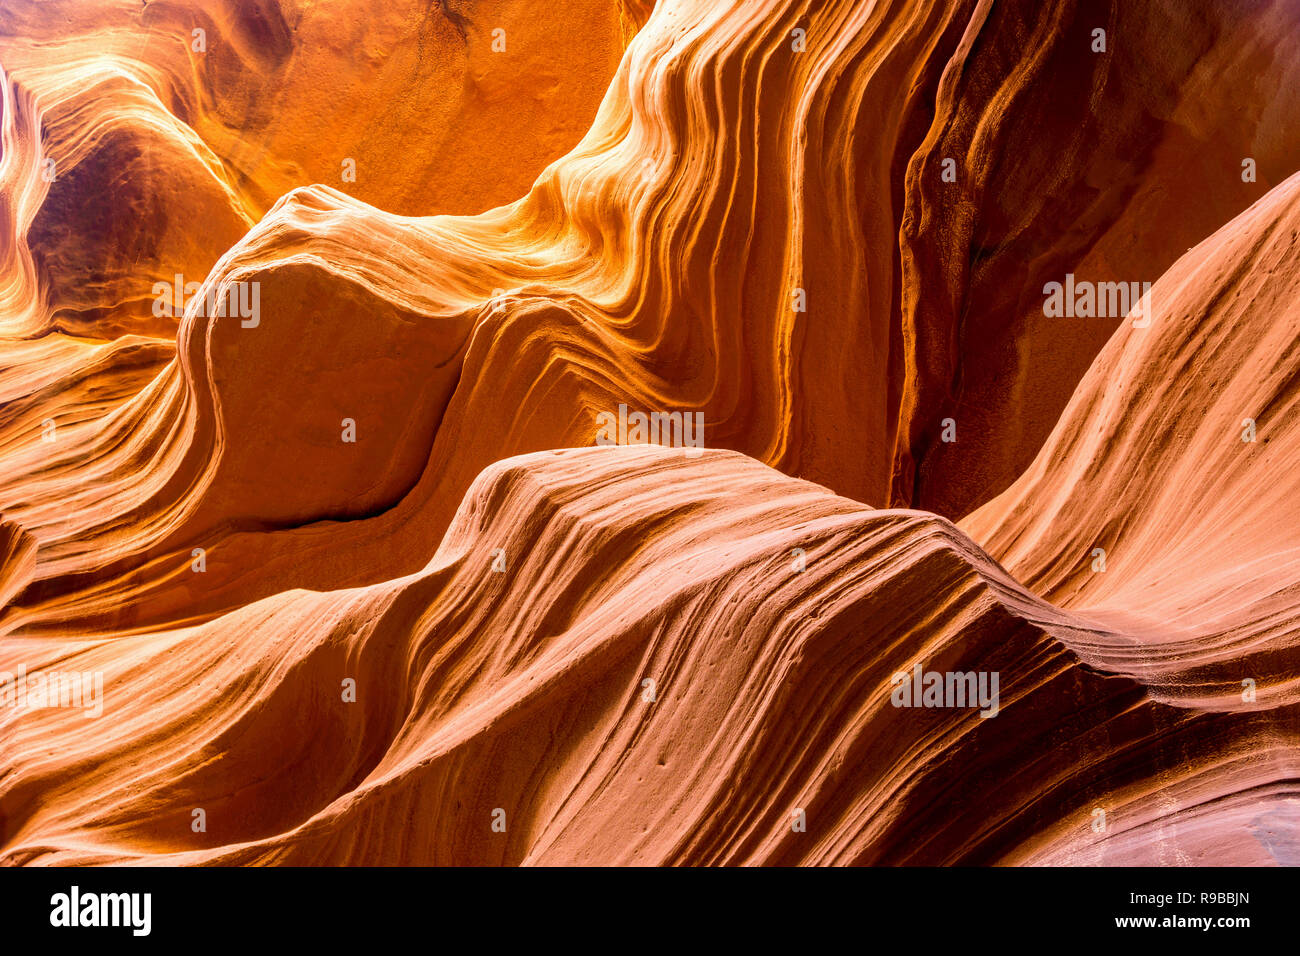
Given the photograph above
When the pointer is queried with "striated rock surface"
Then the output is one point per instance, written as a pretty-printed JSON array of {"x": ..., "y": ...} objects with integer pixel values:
[
  {"x": 349, "y": 585},
  {"x": 617, "y": 649}
]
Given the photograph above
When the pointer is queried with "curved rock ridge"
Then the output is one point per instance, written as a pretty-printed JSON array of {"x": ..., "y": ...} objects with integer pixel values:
[
  {"x": 1174, "y": 466},
  {"x": 660, "y": 264},
  {"x": 162, "y": 117},
  {"x": 133, "y": 157},
  {"x": 343, "y": 574},
  {"x": 509, "y": 675},
  {"x": 846, "y": 165},
  {"x": 139, "y": 142},
  {"x": 1067, "y": 158}
]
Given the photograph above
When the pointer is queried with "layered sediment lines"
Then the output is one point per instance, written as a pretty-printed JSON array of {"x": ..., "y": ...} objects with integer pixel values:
[
  {"x": 141, "y": 141},
  {"x": 620, "y": 652},
  {"x": 1067, "y": 158},
  {"x": 1161, "y": 512},
  {"x": 1176, "y": 458},
  {"x": 662, "y": 264},
  {"x": 355, "y": 583}
]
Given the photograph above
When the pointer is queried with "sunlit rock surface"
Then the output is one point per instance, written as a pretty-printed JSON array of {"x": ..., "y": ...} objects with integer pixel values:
[{"x": 310, "y": 316}]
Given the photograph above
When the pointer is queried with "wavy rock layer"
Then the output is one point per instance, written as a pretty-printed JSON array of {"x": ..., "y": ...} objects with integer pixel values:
[
  {"x": 525, "y": 690},
  {"x": 1176, "y": 457},
  {"x": 431, "y": 644},
  {"x": 605, "y": 285}
]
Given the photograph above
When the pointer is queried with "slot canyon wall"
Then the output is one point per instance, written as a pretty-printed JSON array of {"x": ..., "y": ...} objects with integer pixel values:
[{"x": 622, "y": 432}]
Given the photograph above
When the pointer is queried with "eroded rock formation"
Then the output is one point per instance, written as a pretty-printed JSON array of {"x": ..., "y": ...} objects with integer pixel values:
[{"x": 330, "y": 530}]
